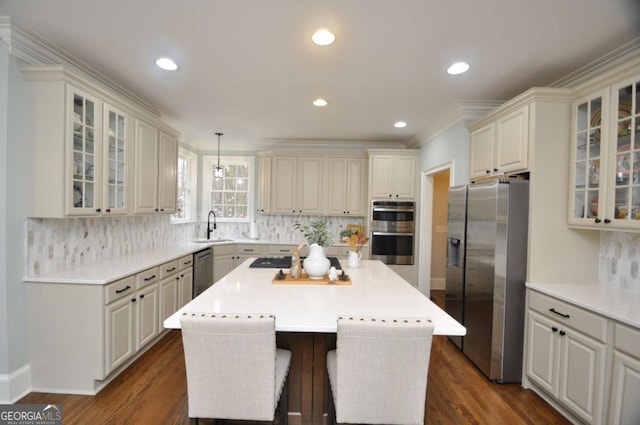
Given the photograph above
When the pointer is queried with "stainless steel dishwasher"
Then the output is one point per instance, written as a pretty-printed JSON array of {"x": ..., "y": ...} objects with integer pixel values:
[{"x": 202, "y": 271}]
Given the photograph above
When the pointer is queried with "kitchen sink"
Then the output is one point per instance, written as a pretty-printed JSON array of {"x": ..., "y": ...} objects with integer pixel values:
[{"x": 211, "y": 240}]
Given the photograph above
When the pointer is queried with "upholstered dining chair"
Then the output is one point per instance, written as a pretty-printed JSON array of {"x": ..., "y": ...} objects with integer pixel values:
[
  {"x": 234, "y": 370},
  {"x": 378, "y": 371}
]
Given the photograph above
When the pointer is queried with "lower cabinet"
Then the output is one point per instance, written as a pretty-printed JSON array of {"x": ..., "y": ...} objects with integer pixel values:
[
  {"x": 624, "y": 405},
  {"x": 80, "y": 335},
  {"x": 223, "y": 257},
  {"x": 573, "y": 355}
]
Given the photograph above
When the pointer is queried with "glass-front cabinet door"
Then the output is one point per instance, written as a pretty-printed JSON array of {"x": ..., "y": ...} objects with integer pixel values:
[
  {"x": 84, "y": 187},
  {"x": 589, "y": 135},
  {"x": 624, "y": 205},
  {"x": 116, "y": 148}
]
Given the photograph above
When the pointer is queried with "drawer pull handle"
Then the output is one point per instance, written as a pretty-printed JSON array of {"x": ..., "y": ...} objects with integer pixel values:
[
  {"x": 150, "y": 277},
  {"x": 119, "y": 291},
  {"x": 171, "y": 269},
  {"x": 186, "y": 263},
  {"x": 553, "y": 310},
  {"x": 248, "y": 250}
]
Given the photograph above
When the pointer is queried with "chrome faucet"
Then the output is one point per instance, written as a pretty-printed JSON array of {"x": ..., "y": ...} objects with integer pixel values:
[{"x": 209, "y": 230}]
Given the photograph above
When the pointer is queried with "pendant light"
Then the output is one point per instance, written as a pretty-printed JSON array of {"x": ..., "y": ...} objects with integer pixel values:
[{"x": 217, "y": 173}]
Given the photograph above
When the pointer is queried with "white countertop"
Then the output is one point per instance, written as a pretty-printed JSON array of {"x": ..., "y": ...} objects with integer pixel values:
[
  {"x": 104, "y": 272},
  {"x": 376, "y": 290},
  {"x": 615, "y": 304}
]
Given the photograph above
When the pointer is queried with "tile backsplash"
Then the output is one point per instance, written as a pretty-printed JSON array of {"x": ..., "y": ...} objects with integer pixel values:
[
  {"x": 619, "y": 260},
  {"x": 61, "y": 244}
]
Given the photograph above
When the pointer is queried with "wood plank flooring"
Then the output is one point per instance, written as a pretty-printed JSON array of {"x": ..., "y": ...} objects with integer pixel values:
[{"x": 153, "y": 391}]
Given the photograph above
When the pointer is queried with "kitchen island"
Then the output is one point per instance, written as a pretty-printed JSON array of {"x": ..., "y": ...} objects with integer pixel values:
[{"x": 306, "y": 317}]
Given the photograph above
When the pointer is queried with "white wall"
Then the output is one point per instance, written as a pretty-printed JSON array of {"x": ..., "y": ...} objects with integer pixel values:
[
  {"x": 450, "y": 145},
  {"x": 14, "y": 372}
]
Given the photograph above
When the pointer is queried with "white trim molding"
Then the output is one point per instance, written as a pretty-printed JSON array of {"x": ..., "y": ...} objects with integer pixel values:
[
  {"x": 459, "y": 111},
  {"x": 15, "y": 385}
]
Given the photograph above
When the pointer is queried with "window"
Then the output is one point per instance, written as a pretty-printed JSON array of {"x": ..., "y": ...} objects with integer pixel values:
[
  {"x": 230, "y": 196},
  {"x": 186, "y": 186}
]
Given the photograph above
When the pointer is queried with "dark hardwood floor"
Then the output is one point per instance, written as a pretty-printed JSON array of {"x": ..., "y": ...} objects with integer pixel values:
[{"x": 153, "y": 391}]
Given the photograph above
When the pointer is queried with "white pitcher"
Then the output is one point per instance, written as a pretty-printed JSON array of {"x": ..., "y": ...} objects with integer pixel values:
[{"x": 353, "y": 262}]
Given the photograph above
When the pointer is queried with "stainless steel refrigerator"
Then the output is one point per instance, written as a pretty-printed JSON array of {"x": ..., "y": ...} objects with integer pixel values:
[{"x": 486, "y": 272}]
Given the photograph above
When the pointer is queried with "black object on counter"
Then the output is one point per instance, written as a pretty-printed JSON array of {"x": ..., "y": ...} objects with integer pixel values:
[{"x": 284, "y": 263}]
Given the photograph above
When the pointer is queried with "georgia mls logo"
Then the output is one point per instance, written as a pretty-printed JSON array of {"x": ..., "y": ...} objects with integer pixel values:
[{"x": 31, "y": 414}]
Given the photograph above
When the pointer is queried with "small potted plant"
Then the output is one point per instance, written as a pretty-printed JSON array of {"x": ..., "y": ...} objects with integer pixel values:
[{"x": 318, "y": 238}]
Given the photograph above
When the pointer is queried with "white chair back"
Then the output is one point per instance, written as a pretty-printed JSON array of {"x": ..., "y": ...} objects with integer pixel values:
[
  {"x": 380, "y": 370},
  {"x": 231, "y": 365}
]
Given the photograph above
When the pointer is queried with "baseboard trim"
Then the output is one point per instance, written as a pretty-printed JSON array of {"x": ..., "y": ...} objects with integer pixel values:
[
  {"x": 15, "y": 385},
  {"x": 438, "y": 283}
]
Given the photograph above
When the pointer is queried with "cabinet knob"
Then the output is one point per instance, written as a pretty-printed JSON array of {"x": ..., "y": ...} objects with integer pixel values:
[
  {"x": 488, "y": 171},
  {"x": 390, "y": 195},
  {"x": 156, "y": 210},
  {"x": 177, "y": 278},
  {"x": 554, "y": 329},
  {"x": 562, "y": 333},
  {"x": 141, "y": 296},
  {"x": 293, "y": 211},
  {"x": 108, "y": 210},
  {"x": 97, "y": 210},
  {"x": 597, "y": 220},
  {"x": 495, "y": 170},
  {"x": 162, "y": 209},
  {"x": 607, "y": 221},
  {"x": 133, "y": 300}
]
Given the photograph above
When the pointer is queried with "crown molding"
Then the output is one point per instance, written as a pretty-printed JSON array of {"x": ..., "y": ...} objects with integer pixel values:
[
  {"x": 299, "y": 144},
  {"x": 609, "y": 61},
  {"x": 32, "y": 49},
  {"x": 459, "y": 111}
]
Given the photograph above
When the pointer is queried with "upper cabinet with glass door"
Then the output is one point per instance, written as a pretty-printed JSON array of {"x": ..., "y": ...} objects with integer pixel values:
[
  {"x": 606, "y": 159},
  {"x": 624, "y": 173},
  {"x": 83, "y": 123},
  {"x": 116, "y": 148}
]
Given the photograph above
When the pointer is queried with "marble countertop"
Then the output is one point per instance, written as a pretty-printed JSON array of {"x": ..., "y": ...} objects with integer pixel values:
[
  {"x": 622, "y": 306},
  {"x": 376, "y": 290},
  {"x": 108, "y": 271}
]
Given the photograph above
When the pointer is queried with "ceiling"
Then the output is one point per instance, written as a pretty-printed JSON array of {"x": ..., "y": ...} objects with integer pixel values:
[{"x": 248, "y": 69}]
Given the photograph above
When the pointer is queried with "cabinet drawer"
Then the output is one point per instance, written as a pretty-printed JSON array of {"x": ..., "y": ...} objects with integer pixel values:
[
  {"x": 281, "y": 249},
  {"x": 224, "y": 250},
  {"x": 567, "y": 314},
  {"x": 169, "y": 268},
  {"x": 250, "y": 250},
  {"x": 119, "y": 289},
  {"x": 147, "y": 277},
  {"x": 186, "y": 261},
  {"x": 627, "y": 339}
]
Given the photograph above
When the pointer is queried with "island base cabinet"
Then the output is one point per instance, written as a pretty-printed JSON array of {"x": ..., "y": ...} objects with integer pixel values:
[{"x": 309, "y": 390}]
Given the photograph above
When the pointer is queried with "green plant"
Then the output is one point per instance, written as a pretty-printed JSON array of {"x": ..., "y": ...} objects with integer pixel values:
[{"x": 316, "y": 232}]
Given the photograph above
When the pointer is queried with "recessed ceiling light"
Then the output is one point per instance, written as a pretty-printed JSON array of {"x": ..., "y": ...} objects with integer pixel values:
[
  {"x": 320, "y": 102},
  {"x": 323, "y": 37},
  {"x": 166, "y": 63},
  {"x": 400, "y": 124},
  {"x": 458, "y": 68}
]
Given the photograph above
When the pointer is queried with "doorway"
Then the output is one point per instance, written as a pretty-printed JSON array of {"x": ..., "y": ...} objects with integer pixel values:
[{"x": 433, "y": 238}]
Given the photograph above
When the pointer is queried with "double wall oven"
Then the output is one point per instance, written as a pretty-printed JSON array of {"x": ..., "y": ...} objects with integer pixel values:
[{"x": 392, "y": 231}]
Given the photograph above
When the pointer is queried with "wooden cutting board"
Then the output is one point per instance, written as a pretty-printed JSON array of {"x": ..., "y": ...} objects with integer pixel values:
[{"x": 306, "y": 280}]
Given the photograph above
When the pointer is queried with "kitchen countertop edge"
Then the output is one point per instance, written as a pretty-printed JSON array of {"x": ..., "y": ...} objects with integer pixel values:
[{"x": 609, "y": 302}]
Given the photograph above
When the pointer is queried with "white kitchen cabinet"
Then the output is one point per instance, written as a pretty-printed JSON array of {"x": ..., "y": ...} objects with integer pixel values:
[
  {"x": 624, "y": 408},
  {"x": 223, "y": 261},
  {"x": 156, "y": 170},
  {"x": 296, "y": 185},
  {"x": 80, "y": 146},
  {"x": 566, "y": 355},
  {"x": 147, "y": 309},
  {"x": 346, "y": 191},
  {"x": 168, "y": 296},
  {"x": 605, "y": 161},
  {"x": 501, "y": 146},
  {"x": 264, "y": 184},
  {"x": 392, "y": 175},
  {"x": 83, "y": 145},
  {"x": 185, "y": 281},
  {"x": 120, "y": 326}
]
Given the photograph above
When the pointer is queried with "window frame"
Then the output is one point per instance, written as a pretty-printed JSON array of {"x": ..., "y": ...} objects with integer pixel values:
[
  {"x": 210, "y": 161},
  {"x": 192, "y": 160}
]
